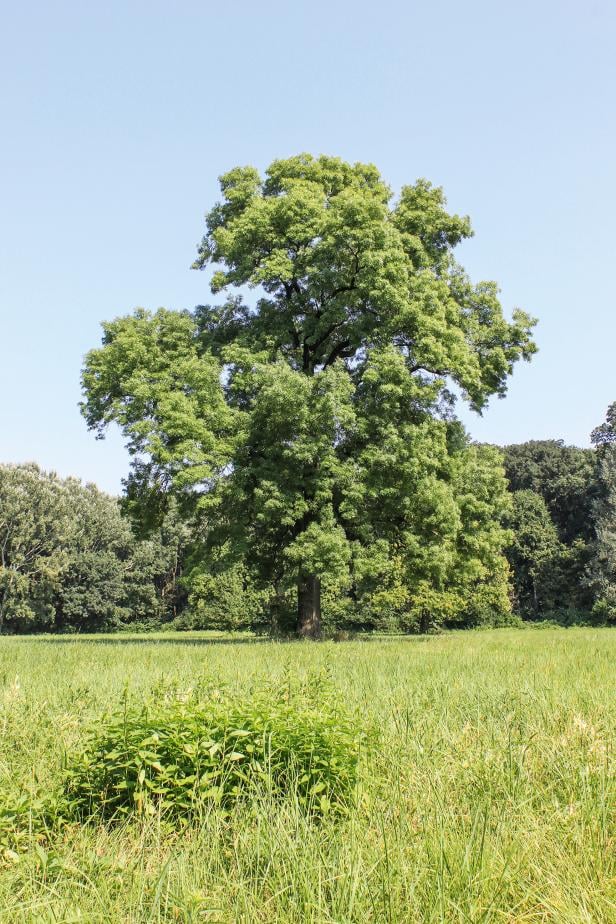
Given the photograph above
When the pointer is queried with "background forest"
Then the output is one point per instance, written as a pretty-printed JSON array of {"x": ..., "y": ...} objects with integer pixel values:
[{"x": 73, "y": 561}]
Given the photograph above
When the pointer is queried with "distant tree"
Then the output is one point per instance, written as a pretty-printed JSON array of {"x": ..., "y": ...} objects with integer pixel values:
[
  {"x": 33, "y": 555},
  {"x": 562, "y": 475},
  {"x": 173, "y": 541},
  {"x": 601, "y": 573},
  {"x": 155, "y": 585},
  {"x": 70, "y": 561},
  {"x": 535, "y": 555},
  {"x": 98, "y": 545},
  {"x": 604, "y": 436},
  {"x": 549, "y": 579},
  {"x": 282, "y": 419}
]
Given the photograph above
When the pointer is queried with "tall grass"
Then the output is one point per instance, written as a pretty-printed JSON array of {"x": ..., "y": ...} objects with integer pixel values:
[{"x": 489, "y": 796}]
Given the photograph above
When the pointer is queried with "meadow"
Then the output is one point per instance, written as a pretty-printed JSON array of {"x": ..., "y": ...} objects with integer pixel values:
[{"x": 487, "y": 793}]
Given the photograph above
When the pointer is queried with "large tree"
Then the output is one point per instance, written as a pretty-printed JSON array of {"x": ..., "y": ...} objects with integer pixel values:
[{"x": 311, "y": 423}]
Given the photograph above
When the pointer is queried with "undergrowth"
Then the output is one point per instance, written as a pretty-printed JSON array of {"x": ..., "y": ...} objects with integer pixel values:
[{"x": 177, "y": 753}]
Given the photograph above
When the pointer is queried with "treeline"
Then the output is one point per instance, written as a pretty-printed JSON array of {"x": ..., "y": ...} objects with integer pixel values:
[
  {"x": 73, "y": 559},
  {"x": 70, "y": 561},
  {"x": 562, "y": 551}
]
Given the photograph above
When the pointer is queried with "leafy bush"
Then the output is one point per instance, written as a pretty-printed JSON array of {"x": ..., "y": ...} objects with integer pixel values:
[
  {"x": 176, "y": 756},
  {"x": 24, "y": 819},
  {"x": 222, "y": 599}
]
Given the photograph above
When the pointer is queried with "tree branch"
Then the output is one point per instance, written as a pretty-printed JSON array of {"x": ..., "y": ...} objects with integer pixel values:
[
  {"x": 328, "y": 332},
  {"x": 420, "y": 368},
  {"x": 336, "y": 353}
]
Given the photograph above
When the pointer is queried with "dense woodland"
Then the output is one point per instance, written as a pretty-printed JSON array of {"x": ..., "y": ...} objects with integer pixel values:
[
  {"x": 297, "y": 464},
  {"x": 74, "y": 561}
]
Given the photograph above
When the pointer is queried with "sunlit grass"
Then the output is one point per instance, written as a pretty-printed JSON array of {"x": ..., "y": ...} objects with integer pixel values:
[{"x": 489, "y": 796}]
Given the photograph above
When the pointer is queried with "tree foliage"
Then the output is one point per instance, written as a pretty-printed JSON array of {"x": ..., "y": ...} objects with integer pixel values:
[
  {"x": 562, "y": 475},
  {"x": 602, "y": 569},
  {"x": 535, "y": 555},
  {"x": 311, "y": 428},
  {"x": 33, "y": 522},
  {"x": 555, "y": 492},
  {"x": 69, "y": 559}
]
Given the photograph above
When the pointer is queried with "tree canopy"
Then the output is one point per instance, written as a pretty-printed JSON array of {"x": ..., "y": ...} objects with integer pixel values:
[
  {"x": 311, "y": 424},
  {"x": 562, "y": 475},
  {"x": 69, "y": 560}
]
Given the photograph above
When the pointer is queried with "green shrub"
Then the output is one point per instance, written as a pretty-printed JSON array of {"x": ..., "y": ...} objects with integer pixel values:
[
  {"x": 24, "y": 819},
  {"x": 177, "y": 756}
]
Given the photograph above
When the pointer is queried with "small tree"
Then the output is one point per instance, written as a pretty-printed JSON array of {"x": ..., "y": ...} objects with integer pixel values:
[{"x": 275, "y": 416}]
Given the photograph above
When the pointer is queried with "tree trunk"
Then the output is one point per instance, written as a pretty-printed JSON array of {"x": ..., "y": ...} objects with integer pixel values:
[{"x": 308, "y": 606}]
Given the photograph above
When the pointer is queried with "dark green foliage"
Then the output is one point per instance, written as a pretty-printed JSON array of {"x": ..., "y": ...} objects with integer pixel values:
[
  {"x": 601, "y": 573},
  {"x": 224, "y": 599},
  {"x": 535, "y": 556},
  {"x": 91, "y": 593},
  {"x": 69, "y": 560},
  {"x": 34, "y": 523},
  {"x": 562, "y": 475},
  {"x": 554, "y": 494},
  {"x": 179, "y": 755},
  {"x": 604, "y": 435}
]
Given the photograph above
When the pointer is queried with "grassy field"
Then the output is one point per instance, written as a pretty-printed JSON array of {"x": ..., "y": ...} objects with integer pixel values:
[{"x": 489, "y": 797}]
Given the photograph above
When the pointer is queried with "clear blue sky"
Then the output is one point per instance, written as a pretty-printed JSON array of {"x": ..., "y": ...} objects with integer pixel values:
[{"x": 117, "y": 118}]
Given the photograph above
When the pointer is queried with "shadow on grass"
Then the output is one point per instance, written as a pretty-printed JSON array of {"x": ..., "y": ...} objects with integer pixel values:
[
  {"x": 137, "y": 640},
  {"x": 196, "y": 640}
]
